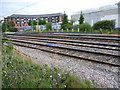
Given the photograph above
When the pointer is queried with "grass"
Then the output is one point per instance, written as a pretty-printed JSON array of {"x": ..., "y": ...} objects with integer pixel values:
[
  {"x": 21, "y": 72},
  {"x": 93, "y": 31}
]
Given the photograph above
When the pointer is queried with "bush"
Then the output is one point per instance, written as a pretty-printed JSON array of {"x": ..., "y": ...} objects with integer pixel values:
[
  {"x": 105, "y": 24},
  {"x": 20, "y": 72},
  {"x": 85, "y": 27},
  {"x": 48, "y": 26},
  {"x": 12, "y": 29}
]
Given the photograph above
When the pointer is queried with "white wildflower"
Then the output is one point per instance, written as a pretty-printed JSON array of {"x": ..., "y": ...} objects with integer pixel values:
[
  {"x": 58, "y": 74},
  {"x": 65, "y": 86},
  {"x": 4, "y": 71},
  {"x": 50, "y": 75}
]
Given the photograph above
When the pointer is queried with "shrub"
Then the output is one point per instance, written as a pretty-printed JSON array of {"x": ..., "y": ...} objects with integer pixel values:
[
  {"x": 48, "y": 26},
  {"x": 105, "y": 24},
  {"x": 20, "y": 72},
  {"x": 85, "y": 27}
]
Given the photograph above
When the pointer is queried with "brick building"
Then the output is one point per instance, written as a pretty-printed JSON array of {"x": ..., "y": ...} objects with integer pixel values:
[{"x": 22, "y": 20}]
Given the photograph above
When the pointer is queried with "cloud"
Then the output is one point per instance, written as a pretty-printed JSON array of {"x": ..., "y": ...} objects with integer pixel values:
[{"x": 50, "y": 6}]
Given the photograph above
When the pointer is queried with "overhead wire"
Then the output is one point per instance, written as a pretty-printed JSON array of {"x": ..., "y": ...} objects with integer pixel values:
[{"x": 21, "y": 8}]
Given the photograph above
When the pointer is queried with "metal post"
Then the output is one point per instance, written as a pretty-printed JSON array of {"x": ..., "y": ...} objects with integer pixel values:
[
  {"x": 110, "y": 30},
  {"x": 67, "y": 29},
  {"x": 78, "y": 30},
  {"x": 101, "y": 30},
  {"x": 85, "y": 30},
  {"x": 62, "y": 30},
  {"x": 72, "y": 29}
]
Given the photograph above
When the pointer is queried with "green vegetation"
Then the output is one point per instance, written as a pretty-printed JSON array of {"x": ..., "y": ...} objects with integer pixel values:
[
  {"x": 32, "y": 23},
  {"x": 65, "y": 23},
  {"x": 20, "y": 72},
  {"x": 4, "y": 27},
  {"x": 104, "y": 26},
  {"x": 8, "y": 27},
  {"x": 85, "y": 27},
  {"x": 29, "y": 22},
  {"x": 72, "y": 21},
  {"x": 81, "y": 19},
  {"x": 48, "y": 26},
  {"x": 42, "y": 22}
]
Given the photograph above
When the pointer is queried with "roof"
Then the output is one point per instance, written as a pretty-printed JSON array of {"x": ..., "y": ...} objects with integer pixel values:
[
  {"x": 35, "y": 16},
  {"x": 103, "y": 8}
]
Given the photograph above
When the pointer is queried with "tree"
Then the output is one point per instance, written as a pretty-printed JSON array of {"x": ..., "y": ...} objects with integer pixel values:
[
  {"x": 4, "y": 27},
  {"x": 29, "y": 22},
  {"x": 34, "y": 22},
  {"x": 81, "y": 19},
  {"x": 42, "y": 22},
  {"x": 64, "y": 24},
  {"x": 48, "y": 26},
  {"x": 8, "y": 27},
  {"x": 72, "y": 21}
]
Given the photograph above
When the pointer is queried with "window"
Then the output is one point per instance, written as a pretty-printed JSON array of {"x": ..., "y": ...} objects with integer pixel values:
[{"x": 22, "y": 19}]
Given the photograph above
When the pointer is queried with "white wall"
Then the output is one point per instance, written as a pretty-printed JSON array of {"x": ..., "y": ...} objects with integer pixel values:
[{"x": 111, "y": 17}]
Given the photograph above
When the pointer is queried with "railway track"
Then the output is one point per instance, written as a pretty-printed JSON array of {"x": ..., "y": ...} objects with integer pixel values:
[
  {"x": 109, "y": 38},
  {"x": 102, "y": 53},
  {"x": 113, "y": 46},
  {"x": 94, "y": 57}
]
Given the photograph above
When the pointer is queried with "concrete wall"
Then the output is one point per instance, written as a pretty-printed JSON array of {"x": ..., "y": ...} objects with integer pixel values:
[
  {"x": 119, "y": 14},
  {"x": 101, "y": 14}
]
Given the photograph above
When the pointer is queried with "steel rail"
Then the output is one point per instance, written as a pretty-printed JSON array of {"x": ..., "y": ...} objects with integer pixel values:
[
  {"x": 58, "y": 36},
  {"x": 68, "y": 48},
  {"x": 73, "y": 41},
  {"x": 99, "y": 62},
  {"x": 49, "y": 41}
]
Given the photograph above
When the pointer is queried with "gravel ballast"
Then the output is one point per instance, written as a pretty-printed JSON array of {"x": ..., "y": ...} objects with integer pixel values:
[{"x": 103, "y": 75}]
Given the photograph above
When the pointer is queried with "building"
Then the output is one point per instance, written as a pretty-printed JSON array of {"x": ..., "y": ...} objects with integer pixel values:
[
  {"x": 21, "y": 21},
  {"x": 109, "y": 12}
]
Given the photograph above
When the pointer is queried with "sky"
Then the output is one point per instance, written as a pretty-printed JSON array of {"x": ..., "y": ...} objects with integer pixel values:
[{"x": 32, "y": 7}]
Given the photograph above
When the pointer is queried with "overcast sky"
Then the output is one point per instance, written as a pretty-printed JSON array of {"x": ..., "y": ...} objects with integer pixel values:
[{"x": 9, "y": 7}]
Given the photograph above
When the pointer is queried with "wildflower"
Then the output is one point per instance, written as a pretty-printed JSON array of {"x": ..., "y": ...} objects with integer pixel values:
[
  {"x": 58, "y": 74},
  {"x": 50, "y": 75},
  {"x": 65, "y": 86},
  {"x": 4, "y": 71},
  {"x": 5, "y": 75}
]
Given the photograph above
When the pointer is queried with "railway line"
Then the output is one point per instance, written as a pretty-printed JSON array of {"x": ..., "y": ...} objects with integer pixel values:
[
  {"x": 113, "y": 38},
  {"x": 98, "y": 44},
  {"x": 95, "y": 52},
  {"x": 73, "y": 44},
  {"x": 90, "y": 59}
]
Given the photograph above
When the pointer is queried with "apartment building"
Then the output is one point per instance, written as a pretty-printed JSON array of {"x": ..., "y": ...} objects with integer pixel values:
[
  {"x": 109, "y": 12},
  {"x": 22, "y": 20}
]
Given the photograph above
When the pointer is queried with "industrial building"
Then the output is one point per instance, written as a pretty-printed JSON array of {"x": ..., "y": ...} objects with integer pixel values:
[{"x": 109, "y": 12}]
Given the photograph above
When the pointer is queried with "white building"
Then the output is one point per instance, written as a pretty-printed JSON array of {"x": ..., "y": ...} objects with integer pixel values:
[{"x": 109, "y": 12}]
